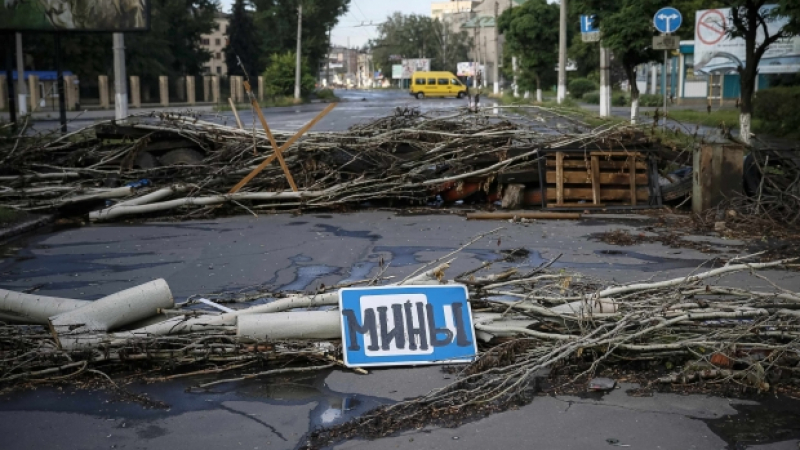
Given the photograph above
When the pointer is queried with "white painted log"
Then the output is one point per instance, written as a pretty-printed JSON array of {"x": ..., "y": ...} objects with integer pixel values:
[
  {"x": 745, "y": 125},
  {"x": 112, "y": 312},
  {"x": 290, "y": 325},
  {"x": 126, "y": 191},
  {"x": 120, "y": 211},
  {"x": 34, "y": 309},
  {"x": 587, "y": 308},
  {"x": 152, "y": 197}
]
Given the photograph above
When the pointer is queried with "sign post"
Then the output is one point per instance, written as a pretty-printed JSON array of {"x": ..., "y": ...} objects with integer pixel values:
[
  {"x": 667, "y": 21},
  {"x": 406, "y": 325},
  {"x": 591, "y": 33}
]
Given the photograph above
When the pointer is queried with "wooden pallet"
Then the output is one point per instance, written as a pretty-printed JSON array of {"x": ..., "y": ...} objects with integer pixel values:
[{"x": 597, "y": 178}]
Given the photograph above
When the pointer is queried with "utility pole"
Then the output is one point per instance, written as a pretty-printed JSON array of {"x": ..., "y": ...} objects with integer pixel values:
[
  {"x": 328, "y": 57},
  {"x": 496, "y": 69},
  {"x": 562, "y": 55},
  {"x": 298, "y": 59},
  {"x": 22, "y": 90},
  {"x": 120, "y": 78}
]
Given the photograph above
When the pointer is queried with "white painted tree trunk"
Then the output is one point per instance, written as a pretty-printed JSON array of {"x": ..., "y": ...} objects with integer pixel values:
[
  {"x": 527, "y": 94},
  {"x": 634, "y": 111},
  {"x": 34, "y": 309},
  {"x": 290, "y": 325},
  {"x": 120, "y": 211},
  {"x": 745, "y": 121},
  {"x": 110, "y": 313},
  {"x": 539, "y": 95}
]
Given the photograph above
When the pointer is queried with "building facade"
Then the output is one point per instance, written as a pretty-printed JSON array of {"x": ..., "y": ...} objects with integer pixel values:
[
  {"x": 215, "y": 44},
  {"x": 477, "y": 18}
]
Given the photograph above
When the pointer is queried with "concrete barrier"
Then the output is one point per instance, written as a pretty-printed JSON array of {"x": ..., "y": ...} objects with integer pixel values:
[
  {"x": 163, "y": 90},
  {"x": 135, "y": 92},
  {"x": 103, "y": 86}
]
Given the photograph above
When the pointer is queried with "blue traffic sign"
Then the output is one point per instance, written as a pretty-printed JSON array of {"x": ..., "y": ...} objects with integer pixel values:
[
  {"x": 406, "y": 325},
  {"x": 668, "y": 20},
  {"x": 589, "y": 24}
]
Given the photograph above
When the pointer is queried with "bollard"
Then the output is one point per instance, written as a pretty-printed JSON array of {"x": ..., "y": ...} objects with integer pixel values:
[
  {"x": 135, "y": 92},
  {"x": 215, "y": 95},
  {"x": 33, "y": 91},
  {"x": 261, "y": 89},
  {"x": 163, "y": 90},
  {"x": 190, "y": 90},
  {"x": 717, "y": 173},
  {"x": 103, "y": 85},
  {"x": 206, "y": 89}
]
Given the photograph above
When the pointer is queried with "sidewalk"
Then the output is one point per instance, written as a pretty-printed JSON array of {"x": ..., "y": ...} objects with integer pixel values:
[{"x": 107, "y": 114}]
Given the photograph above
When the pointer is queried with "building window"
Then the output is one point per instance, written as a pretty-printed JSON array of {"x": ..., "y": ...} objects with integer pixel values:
[
  {"x": 219, "y": 69},
  {"x": 219, "y": 55},
  {"x": 206, "y": 41},
  {"x": 217, "y": 42}
]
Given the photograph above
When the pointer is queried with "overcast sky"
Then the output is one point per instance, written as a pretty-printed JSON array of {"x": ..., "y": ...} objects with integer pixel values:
[{"x": 365, "y": 11}]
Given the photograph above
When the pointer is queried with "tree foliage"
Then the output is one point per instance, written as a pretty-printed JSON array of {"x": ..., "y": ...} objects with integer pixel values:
[
  {"x": 279, "y": 77},
  {"x": 416, "y": 36},
  {"x": 242, "y": 40},
  {"x": 531, "y": 36},
  {"x": 750, "y": 19},
  {"x": 276, "y": 22}
]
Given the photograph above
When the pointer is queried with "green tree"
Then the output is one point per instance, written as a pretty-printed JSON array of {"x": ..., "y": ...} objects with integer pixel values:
[
  {"x": 531, "y": 36},
  {"x": 242, "y": 40},
  {"x": 749, "y": 21},
  {"x": 279, "y": 76},
  {"x": 417, "y": 36},
  {"x": 276, "y": 22}
]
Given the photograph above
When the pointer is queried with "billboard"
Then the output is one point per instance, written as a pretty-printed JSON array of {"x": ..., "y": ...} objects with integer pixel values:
[
  {"x": 415, "y": 65},
  {"x": 73, "y": 15},
  {"x": 467, "y": 69},
  {"x": 397, "y": 72},
  {"x": 715, "y": 51}
]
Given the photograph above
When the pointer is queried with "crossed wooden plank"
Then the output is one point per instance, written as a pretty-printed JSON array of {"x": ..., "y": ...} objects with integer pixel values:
[{"x": 278, "y": 150}]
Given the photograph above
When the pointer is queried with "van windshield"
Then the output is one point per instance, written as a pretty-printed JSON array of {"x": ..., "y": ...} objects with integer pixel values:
[{"x": 455, "y": 82}]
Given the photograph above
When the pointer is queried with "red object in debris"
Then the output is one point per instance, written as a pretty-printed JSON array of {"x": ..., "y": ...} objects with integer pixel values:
[
  {"x": 720, "y": 360},
  {"x": 453, "y": 194},
  {"x": 532, "y": 197}
]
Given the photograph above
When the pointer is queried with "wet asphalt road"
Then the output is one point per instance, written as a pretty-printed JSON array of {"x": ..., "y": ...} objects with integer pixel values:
[{"x": 300, "y": 252}]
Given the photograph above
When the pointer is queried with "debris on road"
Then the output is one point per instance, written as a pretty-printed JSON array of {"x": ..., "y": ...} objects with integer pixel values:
[{"x": 186, "y": 166}]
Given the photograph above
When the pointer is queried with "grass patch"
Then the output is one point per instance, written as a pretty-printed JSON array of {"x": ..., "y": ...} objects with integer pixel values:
[
  {"x": 326, "y": 94},
  {"x": 729, "y": 117}
]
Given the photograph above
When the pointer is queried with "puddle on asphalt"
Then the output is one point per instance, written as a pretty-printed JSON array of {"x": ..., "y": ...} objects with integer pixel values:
[
  {"x": 301, "y": 389},
  {"x": 772, "y": 420},
  {"x": 341, "y": 232}
]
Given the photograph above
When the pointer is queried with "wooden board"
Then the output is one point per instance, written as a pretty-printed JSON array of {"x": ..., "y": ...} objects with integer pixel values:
[
  {"x": 604, "y": 165},
  {"x": 596, "y": 179},
  {"x": 582, "y": 177},
  {"x": 606, "y": 195},
  {"x": 559, "y": 178}
]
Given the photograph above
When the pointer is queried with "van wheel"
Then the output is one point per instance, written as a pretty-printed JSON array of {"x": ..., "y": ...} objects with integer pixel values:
[
  {"x": 420, "y": 95},
  {"x": 461, "y": 95}
]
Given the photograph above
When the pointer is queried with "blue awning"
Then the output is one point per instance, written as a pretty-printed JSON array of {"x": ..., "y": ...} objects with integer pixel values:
[{"x": 44, "y": 75}]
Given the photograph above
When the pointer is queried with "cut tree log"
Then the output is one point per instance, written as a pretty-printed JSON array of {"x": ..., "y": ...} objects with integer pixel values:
[
  {"x": 290, "y": 325},
  {"x": 111, "y": 313},
  {"x": 34, "y": 309}
]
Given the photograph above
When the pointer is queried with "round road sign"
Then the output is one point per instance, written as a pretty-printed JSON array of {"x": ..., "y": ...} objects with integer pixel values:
[{"x": 711, "y": 27}]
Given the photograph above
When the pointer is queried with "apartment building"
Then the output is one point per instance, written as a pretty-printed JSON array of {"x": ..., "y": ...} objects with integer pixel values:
[{"x": 215, "y": 43}]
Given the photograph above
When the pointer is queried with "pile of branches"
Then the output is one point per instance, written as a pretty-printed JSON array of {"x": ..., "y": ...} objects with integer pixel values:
[
  {"x": 408, "y": 157},
  {"x": 529, "y": 322},
  {"x": 722, "y": 334}
]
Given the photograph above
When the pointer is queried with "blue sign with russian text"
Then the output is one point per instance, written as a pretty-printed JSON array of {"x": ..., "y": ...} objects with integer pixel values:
[{"x": 406, "y": 325}]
